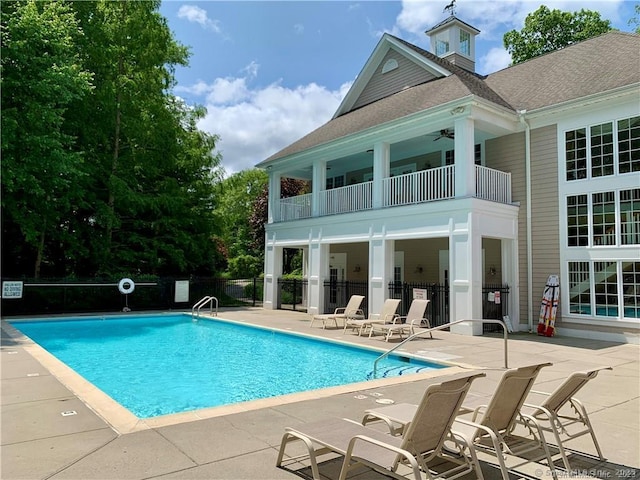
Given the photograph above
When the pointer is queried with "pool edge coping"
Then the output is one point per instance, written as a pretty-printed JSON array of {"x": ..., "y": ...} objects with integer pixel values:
[{"x": 124, "y": 421}]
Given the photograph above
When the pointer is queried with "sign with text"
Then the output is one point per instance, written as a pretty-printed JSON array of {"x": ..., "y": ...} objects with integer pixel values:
[
  {"x": 419, "y": 293},
  {"x": 182, "y": 291},
  {"x": 12, "y": 290}
]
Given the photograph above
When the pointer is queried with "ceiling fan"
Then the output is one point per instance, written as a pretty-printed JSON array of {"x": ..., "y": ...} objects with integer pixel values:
[{"x": 445, "y": 133}]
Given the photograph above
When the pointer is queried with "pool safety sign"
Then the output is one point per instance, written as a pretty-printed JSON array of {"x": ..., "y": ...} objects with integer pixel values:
[
  {"x": 419, "y": 293},
  {"x": 12, "y": 289},
  {"x": 181, "y": 291}
]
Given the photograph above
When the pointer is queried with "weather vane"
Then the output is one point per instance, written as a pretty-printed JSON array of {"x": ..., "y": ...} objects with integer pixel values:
[{"x": 451, "y": 7}]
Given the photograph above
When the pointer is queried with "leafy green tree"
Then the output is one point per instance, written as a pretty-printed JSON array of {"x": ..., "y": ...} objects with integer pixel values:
[
  {"x": 104, "y": 170},
  {"x": 636, "y": 19},
  {"x": 151, "y": 171},
  {"x": 234, "y": 199},
  {"x": 42, "y": 75},
  {"x": 289, "y": 187},
  {"x": 549, "y": 30}
]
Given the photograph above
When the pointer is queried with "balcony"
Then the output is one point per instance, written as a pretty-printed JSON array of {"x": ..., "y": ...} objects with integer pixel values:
[{"x": 431, "y": 185}]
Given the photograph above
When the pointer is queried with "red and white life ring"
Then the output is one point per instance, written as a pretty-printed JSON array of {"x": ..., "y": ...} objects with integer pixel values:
[{"x": 126, "y": 286}]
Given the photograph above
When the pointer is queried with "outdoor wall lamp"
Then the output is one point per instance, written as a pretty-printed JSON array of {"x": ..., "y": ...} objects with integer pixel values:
[
  {"x": 356, "y": 268},
  {"x": 418, "y": 269}
]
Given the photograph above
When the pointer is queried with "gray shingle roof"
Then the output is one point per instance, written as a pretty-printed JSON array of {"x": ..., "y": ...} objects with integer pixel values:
[
  {"x": 600, "y": 64},
  {"x": 596, "y": 65}
]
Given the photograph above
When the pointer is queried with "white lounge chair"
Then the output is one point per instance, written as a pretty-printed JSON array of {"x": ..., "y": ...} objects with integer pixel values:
[
  {"x": 404, "y": 325},
  {"x": 422, "y": 446},
  {"x": 501, "y": 430},
  {"x": 386, "y": 315},
  {"x": 492, "y": 428},
  {"x": 352, "y": 310},
  {"x": 563, "y": 414}
]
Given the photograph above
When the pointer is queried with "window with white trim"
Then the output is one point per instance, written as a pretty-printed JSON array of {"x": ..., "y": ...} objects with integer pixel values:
[
  {"x": 604, "y": 218},
  {"x": 465, "y": 43},
  {"x": 579, "y": 288},
  {"x": 630, "y": 217},
  {"x": 629, "y": 145},
  {"x": 606, "y": 288},
  {"x": 631, "y": 289},
  {"x": 609, "y": 148},
  {"x": 577, "y": 221},
  {"x": 612, "y": 217}
]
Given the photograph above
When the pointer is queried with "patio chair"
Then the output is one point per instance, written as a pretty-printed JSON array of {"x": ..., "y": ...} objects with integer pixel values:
[
  {"x": 352, "y": 310},
  {"x": 421, "y": 447},
  {"x": 500, "y": 429},
  {"x": 563, "y": 414},
  {"x": 491, "y": 429},
  {"x": 386, "y": 315},
  {"x": 406, "y": 324}
]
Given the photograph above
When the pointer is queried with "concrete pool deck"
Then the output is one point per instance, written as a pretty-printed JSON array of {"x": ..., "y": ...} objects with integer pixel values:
[{"x": 56, "y": 427}]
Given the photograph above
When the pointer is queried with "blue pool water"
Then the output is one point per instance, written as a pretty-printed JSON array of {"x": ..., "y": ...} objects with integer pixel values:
[{"x": 162, "y": 364}]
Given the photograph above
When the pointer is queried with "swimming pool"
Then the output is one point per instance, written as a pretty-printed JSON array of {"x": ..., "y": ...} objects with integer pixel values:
[{"x": 162, "y": 364}]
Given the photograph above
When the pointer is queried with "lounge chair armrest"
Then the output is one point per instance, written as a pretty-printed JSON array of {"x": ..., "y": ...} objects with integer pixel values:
[
  {"x": 477, "y": 426},
  {"x": 538, "y": 392},
  {"x": 339, "y": 310},
  {"x": 363, "y": 438}
]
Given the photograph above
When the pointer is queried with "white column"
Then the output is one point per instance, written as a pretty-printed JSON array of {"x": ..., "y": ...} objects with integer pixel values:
[
  {"x": 274, "y": 197},
  {"x": 465, "y": 260},
  {"x": 464, "y": 158},
  {"x": 318, "y": 184},
  {"x": 510, "y": 276},
  {"x": 381, "y": 259},
  {"x": 318, "y": 272},
  {"x": 272, "y": 271},
  {"x": 381, "y": 161}
]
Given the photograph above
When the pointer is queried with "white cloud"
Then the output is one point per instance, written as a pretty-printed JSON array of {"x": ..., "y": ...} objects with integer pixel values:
[
  {"x": 198, "y": 15},
  {"x": 254, "y": 123},
  {"x": 495, "y": 59}
]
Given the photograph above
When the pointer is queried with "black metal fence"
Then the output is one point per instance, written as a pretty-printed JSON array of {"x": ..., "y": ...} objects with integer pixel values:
[
  {"x": 53, "y": 296},
  {"x": 292, "y": 294},
  {"x": 495, "y": 301},
  {"x": 337, "y": 294},
  {"x": 495, "y": 305},
  {"x": 438, "y": 309}
]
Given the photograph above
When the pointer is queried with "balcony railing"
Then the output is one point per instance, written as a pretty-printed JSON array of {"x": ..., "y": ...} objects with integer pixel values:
[
  {"x": 419, "y": 187},
  {"x": 411, "y": 188},
  {"x": 295, "y": 208},
  {"x": 493, "y": 184},
  {"x": 352, "y": 198}
]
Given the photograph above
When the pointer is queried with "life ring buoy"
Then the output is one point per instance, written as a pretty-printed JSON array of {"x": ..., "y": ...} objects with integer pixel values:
[{"x": 126, "y": 286}]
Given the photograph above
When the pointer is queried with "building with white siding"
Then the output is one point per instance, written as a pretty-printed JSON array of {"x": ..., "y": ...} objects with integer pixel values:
[{"x": 432, "y": 175}]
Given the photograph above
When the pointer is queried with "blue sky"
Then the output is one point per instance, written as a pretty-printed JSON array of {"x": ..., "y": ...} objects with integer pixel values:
[{"x": 270, "y": 72}]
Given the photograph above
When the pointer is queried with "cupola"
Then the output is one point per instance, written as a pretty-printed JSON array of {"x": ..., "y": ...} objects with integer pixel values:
[{"x": 455, "y": 41}]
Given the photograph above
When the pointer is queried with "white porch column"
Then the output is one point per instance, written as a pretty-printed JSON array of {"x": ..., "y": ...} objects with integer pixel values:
[
  {"x": 272, "y": 271},
  {"x": 318, "y": 184},
  {"x": 274, "y": 197},
  {"x": 465, "y": 260},
  {"x": 318, "y": 272},
  {"x": 381, "y": 161},
  {"x": 381, "y": 261},
  {"x": 465, "y": 169},
  {"x": 510, "y": 276}
]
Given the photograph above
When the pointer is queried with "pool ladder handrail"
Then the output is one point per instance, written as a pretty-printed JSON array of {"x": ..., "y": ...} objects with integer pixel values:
[
  {"x": 442, "y": 327},
  {"x": 201, "y": 303}
]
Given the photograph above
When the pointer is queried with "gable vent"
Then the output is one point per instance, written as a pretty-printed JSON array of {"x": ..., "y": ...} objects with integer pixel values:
[{"x": 390, "y": 65}]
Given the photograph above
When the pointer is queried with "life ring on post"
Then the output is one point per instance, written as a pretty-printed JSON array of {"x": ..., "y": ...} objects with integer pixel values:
[{"x": 126, "y": 286}]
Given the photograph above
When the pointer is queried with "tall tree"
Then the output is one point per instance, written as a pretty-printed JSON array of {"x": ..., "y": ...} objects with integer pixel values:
[
  {"x": 42, "y": 75},
  {"x": 148, "y": 159},
  {"x": 549, "y": 30},
  {"x": 289, "y": 187}
]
